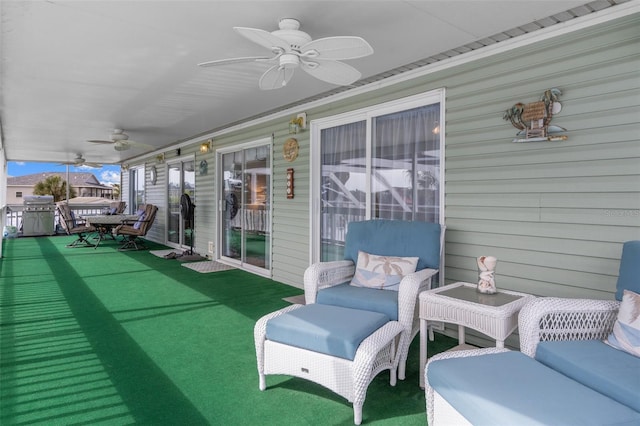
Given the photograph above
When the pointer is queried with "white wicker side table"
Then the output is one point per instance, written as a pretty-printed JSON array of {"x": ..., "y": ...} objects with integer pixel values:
[{"x": 495, "y": 315}]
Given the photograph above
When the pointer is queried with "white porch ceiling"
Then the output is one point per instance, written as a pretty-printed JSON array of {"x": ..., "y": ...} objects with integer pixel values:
[{"x": 75, "y": 70}]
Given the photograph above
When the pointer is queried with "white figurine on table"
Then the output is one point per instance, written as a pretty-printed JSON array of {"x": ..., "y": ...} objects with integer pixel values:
[{"x": 487, "y": 268}]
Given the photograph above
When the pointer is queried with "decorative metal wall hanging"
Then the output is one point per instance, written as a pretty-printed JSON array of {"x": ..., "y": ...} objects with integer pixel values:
[
  {"x": 289, "y": 183},
  {"x": 534, "y": 119}
]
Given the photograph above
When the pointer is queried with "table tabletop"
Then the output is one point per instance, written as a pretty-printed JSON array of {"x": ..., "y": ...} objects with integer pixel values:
[
  {"x": 465, "y": 296},
  {"x": 113, "y": 219}
]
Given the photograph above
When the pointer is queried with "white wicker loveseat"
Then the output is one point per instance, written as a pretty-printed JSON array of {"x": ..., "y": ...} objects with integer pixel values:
[
  {"x": 328, "y": 282},
  {"x": 566, "y": 373}
]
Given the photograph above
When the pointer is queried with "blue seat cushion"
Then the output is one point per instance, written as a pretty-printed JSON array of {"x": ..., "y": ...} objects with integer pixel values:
[
  {"x": 331, "y": 330},
  {"x": 367, "y": 299},
  {"x": 395, "y": 238},
  {"x": 511, "y": 388},
  {"x": 629, "y": 275},
  {"x": 597, "y": 365}
]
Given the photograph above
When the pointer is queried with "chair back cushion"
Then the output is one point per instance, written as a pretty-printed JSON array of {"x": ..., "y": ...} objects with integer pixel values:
[
  {"x": 629, "y": 276},
  {"x": 395, "y": 238}
]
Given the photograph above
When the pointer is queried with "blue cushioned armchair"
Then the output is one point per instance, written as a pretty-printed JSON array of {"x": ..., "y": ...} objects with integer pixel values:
[{"x": 329, "y": 282}]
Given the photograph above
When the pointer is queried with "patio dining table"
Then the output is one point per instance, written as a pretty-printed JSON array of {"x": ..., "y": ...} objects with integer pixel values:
[{"x": 105, "y": 223}]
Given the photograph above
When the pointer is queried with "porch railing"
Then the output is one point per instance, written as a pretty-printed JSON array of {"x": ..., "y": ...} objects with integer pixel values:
[{"x": 14, "y": 213}]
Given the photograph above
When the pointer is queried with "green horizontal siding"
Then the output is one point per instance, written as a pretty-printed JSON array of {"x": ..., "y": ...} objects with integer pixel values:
[{"x": 554, "y": 213}]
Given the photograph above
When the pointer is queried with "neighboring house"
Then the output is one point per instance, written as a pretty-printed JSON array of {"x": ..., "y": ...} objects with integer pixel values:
[{"x": 85, "y": 185}]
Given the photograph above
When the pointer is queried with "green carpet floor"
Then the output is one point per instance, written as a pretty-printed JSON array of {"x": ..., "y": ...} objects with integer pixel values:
[{"x": 106, "y": 337}]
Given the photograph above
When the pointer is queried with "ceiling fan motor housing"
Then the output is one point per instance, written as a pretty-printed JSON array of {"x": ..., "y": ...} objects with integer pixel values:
[{"x": 289, "y": 32}]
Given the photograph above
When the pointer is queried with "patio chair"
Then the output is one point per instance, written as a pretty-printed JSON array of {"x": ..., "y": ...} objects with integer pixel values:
[
  {"x": 116, "y": 207},
  {"x": 554, "y": 319},
  {"x": 338, "y": 282},
  {"x": 578, "y": 364},
  {"x": 74, "y": 226},
  {"x": 133, "y": 230}
]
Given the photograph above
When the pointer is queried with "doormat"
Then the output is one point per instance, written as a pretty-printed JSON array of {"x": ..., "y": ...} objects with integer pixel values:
[
  {"x": 299, "y": 300},
  {"x": 207, "y": 266}
]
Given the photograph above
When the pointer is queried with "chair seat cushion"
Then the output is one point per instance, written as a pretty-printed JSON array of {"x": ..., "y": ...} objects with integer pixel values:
[
  {"x": 368, "y": 299},
  {"x": 331, "y": 330},
  {"x": 597, "y": 365},
  {"x": 511, "y": 388}
]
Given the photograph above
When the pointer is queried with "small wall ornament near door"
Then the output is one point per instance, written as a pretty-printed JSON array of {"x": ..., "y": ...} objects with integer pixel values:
[
  {"x": 154, "y": 175},
  {"x": 204, "y": 167},
  {"x": 534, "y": 119},
  {"x": 290, "y": 149},
  {"x": 289, "y": 183}
]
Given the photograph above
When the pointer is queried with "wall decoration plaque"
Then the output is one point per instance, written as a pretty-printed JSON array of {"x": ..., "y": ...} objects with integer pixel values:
[{"x": 290, "y": 149}]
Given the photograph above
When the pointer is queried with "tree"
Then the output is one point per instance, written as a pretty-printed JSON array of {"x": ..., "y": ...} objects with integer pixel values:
[{"x": 56, "y": 186}]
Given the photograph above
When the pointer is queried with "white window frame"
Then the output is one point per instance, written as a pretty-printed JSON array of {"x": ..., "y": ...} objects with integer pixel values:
[{"x": 365, "y": 114}]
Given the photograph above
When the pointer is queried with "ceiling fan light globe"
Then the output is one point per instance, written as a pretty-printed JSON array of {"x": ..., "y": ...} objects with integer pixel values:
[{"x": 289, "y": 60}]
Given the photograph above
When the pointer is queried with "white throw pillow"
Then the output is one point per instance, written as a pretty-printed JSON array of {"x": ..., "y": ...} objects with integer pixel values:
[
  {"x": 626, "y": 330},
  {"x": 382, "y": 272}
]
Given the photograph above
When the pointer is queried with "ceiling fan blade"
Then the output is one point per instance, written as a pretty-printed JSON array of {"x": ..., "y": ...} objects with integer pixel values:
[
  {"x": 275, "y": 77},
  {"x": 100, "y": 141},
  {"x": 337, "y": 48},
  {"x": 234, "y": 61},
  {"x": 92, "y": 165},
  {"x": 263, "y": 38},
  {"x": 332, "y": 71}
]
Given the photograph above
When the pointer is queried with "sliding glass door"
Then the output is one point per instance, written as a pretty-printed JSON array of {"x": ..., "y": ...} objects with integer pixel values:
[
  {"x": 181, "y": 180},
  {"x": 245, "y": 200}
]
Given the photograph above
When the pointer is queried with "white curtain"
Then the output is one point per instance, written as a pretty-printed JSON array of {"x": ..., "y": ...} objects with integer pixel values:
[
  {"x": 405, "y": 167},
  {"x": 343, "y": 190},
  {"x": 402, "y": 182}
]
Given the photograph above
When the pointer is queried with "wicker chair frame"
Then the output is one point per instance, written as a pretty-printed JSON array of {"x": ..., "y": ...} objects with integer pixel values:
[{"x": 323, "y": 275}]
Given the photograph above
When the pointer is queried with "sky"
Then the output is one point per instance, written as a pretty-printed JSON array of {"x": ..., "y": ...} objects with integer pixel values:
[{"x": 107, "y": 174}]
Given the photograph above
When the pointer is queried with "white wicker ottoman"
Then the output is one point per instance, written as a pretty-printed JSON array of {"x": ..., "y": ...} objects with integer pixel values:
[{"x": 348, "y": 378}]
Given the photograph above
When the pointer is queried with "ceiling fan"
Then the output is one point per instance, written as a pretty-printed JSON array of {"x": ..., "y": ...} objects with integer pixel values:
[
  {"x": 79, "y": 161},
  {"x": 120, "y": 141},
  {"x": 293, "y": 49}
]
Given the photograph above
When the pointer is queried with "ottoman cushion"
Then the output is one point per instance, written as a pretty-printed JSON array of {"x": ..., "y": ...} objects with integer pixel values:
[
  {"x": 332, "y": 330},
  {"x": 512, "y": 388}
]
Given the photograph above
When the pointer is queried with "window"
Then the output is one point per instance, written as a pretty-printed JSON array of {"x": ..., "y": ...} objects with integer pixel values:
[
  {"x": 136, "y": 185},
  {"x": 380, "y": 163},
  {"x": 19, "y": 194}
]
